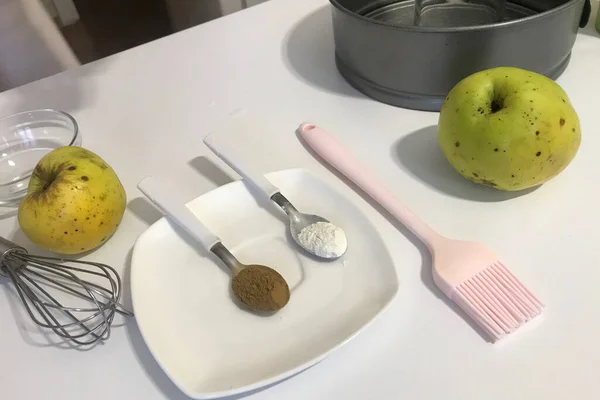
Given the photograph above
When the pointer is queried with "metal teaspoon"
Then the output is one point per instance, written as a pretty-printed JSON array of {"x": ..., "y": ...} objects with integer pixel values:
[
  {"x": 267, "y": 299},
  {"x": 297, "y": 220}
]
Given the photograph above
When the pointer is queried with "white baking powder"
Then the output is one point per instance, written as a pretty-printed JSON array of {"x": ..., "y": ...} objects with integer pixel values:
[{"x": 323, "y": 239}]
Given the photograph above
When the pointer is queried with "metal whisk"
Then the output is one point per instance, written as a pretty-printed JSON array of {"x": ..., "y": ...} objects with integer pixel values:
[{"x": 40, "y": 280}]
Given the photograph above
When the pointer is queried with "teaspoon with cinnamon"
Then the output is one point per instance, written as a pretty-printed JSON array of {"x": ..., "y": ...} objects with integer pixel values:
[{"x": 259, "y": 287}]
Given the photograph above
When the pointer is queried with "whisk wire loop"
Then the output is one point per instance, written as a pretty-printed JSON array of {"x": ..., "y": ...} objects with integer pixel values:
[{"x": 96, "y": 285}]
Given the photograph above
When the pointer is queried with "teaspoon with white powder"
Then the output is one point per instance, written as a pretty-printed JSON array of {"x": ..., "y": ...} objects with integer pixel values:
[{"x": 313, "y": 233}]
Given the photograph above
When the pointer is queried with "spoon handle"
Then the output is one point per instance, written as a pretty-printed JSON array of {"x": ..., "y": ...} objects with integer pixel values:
[
  {"x": 234, "y": 158},
  {"x": 177, "y": 212}
]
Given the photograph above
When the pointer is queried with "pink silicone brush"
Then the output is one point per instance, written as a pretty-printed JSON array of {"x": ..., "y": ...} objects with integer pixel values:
[{"x": 467, "y": 272}]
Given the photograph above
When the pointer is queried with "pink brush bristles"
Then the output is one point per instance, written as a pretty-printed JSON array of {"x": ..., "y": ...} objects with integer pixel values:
[
  {"x": 498, "y": 300},
  {"x": 467, "y": 272}
]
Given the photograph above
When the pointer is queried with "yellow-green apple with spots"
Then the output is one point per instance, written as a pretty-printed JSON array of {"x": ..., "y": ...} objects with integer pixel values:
[
  {"x": 74, "y": 201},
  {"x": 508, "y": 128}
]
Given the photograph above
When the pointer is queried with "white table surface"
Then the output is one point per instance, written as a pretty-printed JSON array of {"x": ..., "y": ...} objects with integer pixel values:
[{"x": 145, "y": 112}]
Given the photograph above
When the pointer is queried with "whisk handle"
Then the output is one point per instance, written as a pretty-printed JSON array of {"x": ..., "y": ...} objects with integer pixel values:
[
  {"x": 6, "y": 246},
  {"x": 177, "y": 212}
]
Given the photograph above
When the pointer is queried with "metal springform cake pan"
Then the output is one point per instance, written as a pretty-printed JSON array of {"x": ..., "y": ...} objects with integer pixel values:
[{"x": 382, "y": 54}]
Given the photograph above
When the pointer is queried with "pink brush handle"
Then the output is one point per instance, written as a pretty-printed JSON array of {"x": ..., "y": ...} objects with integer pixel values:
[{"x": 328, "y": 148}]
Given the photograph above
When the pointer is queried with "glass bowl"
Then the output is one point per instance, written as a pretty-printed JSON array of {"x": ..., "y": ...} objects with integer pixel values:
[{"x": 25, "y": 138}]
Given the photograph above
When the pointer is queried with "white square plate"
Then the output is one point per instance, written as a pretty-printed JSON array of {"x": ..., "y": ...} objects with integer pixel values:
[{"x": 211, "y": 347}]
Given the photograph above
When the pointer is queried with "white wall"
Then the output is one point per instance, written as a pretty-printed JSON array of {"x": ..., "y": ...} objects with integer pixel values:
[
  {"x": 63, "y": 11},
  {"x": 32, "y": 47},
  {"x": 49, "y": 4}
]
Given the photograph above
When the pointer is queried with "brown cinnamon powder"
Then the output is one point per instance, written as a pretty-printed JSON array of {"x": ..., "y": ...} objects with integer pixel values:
[{"x": 261, "y": 288}]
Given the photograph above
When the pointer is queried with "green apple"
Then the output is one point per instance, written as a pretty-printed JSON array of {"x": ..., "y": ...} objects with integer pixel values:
[
  {"x": 74, "y": 201},
  {"x": 508, "y": 128}
]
